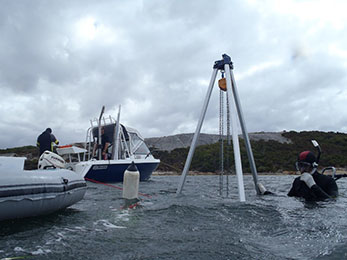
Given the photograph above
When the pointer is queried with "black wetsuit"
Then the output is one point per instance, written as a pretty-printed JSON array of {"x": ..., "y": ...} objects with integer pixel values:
[
  {"x": 105, "y": 139},
  {"x": 45, "y": 140},
  {"x": 324, "y": 188}
]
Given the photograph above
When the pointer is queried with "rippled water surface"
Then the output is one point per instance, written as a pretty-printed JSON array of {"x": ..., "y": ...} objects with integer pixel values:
[{"x": 199, "y": 224}]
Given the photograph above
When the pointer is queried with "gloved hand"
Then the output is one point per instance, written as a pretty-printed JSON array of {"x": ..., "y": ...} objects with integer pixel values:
[
  {"x": 308, "y": 179},
  {"x": 263, "y": 190}
]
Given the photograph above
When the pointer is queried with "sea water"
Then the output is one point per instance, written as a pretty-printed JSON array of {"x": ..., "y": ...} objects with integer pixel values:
[{"x": 198, "y": 224}]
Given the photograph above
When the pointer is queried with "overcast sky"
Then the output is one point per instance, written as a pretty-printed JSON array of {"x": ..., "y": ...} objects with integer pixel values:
[{"x": 62, "y": 60}]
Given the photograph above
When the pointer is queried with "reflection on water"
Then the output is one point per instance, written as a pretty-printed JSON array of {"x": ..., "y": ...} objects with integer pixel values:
[{"x": 196, "y": 225}]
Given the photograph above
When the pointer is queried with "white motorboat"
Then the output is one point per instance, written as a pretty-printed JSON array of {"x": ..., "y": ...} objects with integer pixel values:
[
  {"x": 37, "y": 192},
  {"x": 127, "y": 146}
]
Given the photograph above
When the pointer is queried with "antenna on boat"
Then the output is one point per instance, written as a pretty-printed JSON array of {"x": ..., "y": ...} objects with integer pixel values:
[
  {"x": 99, "y": 132},
  {"x": 226, "y": 66}
]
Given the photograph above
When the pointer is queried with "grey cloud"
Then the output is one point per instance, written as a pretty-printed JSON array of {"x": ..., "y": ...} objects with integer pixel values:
[{"x": 157, "y": 64}]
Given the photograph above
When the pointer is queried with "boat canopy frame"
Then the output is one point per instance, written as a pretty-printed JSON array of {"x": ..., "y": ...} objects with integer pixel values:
[{"x": 131, "y": 143}]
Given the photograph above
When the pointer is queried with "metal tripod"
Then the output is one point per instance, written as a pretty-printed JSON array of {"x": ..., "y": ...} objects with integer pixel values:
[{"x": 226, "y": 65}]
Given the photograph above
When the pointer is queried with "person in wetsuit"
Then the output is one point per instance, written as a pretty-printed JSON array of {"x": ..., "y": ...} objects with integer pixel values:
[
  {"x": 105, "y": 143},
  {"x": 46, "y": 140},
  {"x": 312, "y": 185}
]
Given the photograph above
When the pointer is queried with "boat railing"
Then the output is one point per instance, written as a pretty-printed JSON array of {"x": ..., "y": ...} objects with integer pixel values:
[
  {"x": 88, "y": 145},
  {"x": 125, "y": 150}
]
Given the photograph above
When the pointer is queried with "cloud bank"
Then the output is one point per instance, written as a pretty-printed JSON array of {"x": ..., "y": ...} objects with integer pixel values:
[{"x": 61, "y": 61}]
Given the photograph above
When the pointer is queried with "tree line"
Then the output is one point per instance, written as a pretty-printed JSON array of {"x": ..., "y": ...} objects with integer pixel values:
[{"x": 269, "y": 156}]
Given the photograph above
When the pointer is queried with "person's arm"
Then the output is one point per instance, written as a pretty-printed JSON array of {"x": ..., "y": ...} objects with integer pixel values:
[
  {"x": 94, "y": 149},
  {"x": 104, "y": 151},
  {"x": 54, "y": 140},
  {"x": 293, "y": 190},
  {"x": 107, "y": 144},
  {"x": 106, "y": 147},
  {"x": 317, "y": 191}
]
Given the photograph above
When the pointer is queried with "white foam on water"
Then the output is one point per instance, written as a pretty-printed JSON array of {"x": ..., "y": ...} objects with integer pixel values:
[
  {"x": 41, "y": 251},
  {"x": 69, "y": 229},
  {"x": 147, "y": 203},
  {"x": 76, "y": 229},
  {"x": 61, "y": 234},
  {"x": 18, "y": 249},
  {"x": 124, "y": 216},
  {"x": 107, "y": 224},
  {"x": 84, "y": 229}
]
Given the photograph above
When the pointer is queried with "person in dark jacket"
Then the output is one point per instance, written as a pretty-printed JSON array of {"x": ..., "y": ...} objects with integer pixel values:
[
  {"x": 105, "y": 143},
  {"x": 312, "y": 185},
  {"x": 46, "y": 140}
]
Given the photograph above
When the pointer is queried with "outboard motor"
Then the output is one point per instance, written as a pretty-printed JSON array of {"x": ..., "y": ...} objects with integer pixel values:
[{"x": 50, "y": 160}]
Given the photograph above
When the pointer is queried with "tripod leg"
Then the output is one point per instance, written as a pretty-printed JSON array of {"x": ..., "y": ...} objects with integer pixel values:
[
  {"x": 245, "y": 135},
  {"x": 235, "y": 137},
  {"x": 197, "y": 133}
]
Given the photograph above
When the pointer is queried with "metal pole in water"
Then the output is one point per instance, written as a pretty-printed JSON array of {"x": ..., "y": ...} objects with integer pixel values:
[
  {"x": 235, "y": 137},
  {"x": 245, "y": 134},
  {"x": 221, "y": 141},
  {"x": 197, "y": 132}
]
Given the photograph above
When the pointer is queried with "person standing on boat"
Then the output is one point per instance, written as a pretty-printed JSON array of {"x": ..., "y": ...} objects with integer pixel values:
[
  {"x": 105, "y": 143},
  {"x": 312, "y": 185},
  {"x": 46, "y": 140}
]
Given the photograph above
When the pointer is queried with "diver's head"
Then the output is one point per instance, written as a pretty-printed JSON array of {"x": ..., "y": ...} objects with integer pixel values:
[{"x": 306, "y": 162}]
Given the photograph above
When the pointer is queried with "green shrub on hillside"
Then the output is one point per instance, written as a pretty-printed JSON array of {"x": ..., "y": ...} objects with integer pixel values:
[{"x": 269, "y": 156}]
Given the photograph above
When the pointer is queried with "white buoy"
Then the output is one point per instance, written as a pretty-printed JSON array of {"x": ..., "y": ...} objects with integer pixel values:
[{"x": 131, "y": 182}]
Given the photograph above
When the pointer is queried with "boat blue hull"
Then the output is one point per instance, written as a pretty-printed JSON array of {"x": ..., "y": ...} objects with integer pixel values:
[{"x": 115, "y": 172}]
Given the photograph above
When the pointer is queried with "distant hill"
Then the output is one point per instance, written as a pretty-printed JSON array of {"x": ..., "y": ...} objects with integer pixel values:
[{"x": 169, "y": 143}]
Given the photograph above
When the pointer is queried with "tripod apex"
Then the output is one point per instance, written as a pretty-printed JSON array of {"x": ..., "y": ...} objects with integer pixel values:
[
  {"x": 219, "y": 64},
  {"x": 226, "y": 58}
]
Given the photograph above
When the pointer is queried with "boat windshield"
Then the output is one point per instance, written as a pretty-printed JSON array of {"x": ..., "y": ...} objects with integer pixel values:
[{"x": 137, "y": 144}]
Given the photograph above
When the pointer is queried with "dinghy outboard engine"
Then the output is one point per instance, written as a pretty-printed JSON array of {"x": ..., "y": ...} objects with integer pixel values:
[{"x": 50, "y": 160}]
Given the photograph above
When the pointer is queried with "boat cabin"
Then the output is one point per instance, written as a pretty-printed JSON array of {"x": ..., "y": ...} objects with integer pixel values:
[{"x": 130, "y": 143}]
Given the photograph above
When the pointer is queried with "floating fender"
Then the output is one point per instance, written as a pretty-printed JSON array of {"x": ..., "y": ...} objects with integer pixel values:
[{"x": 131, "y": 182}]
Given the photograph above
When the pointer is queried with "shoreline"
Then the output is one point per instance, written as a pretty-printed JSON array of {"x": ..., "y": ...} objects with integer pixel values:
[{"x": 196, "y": 173}]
